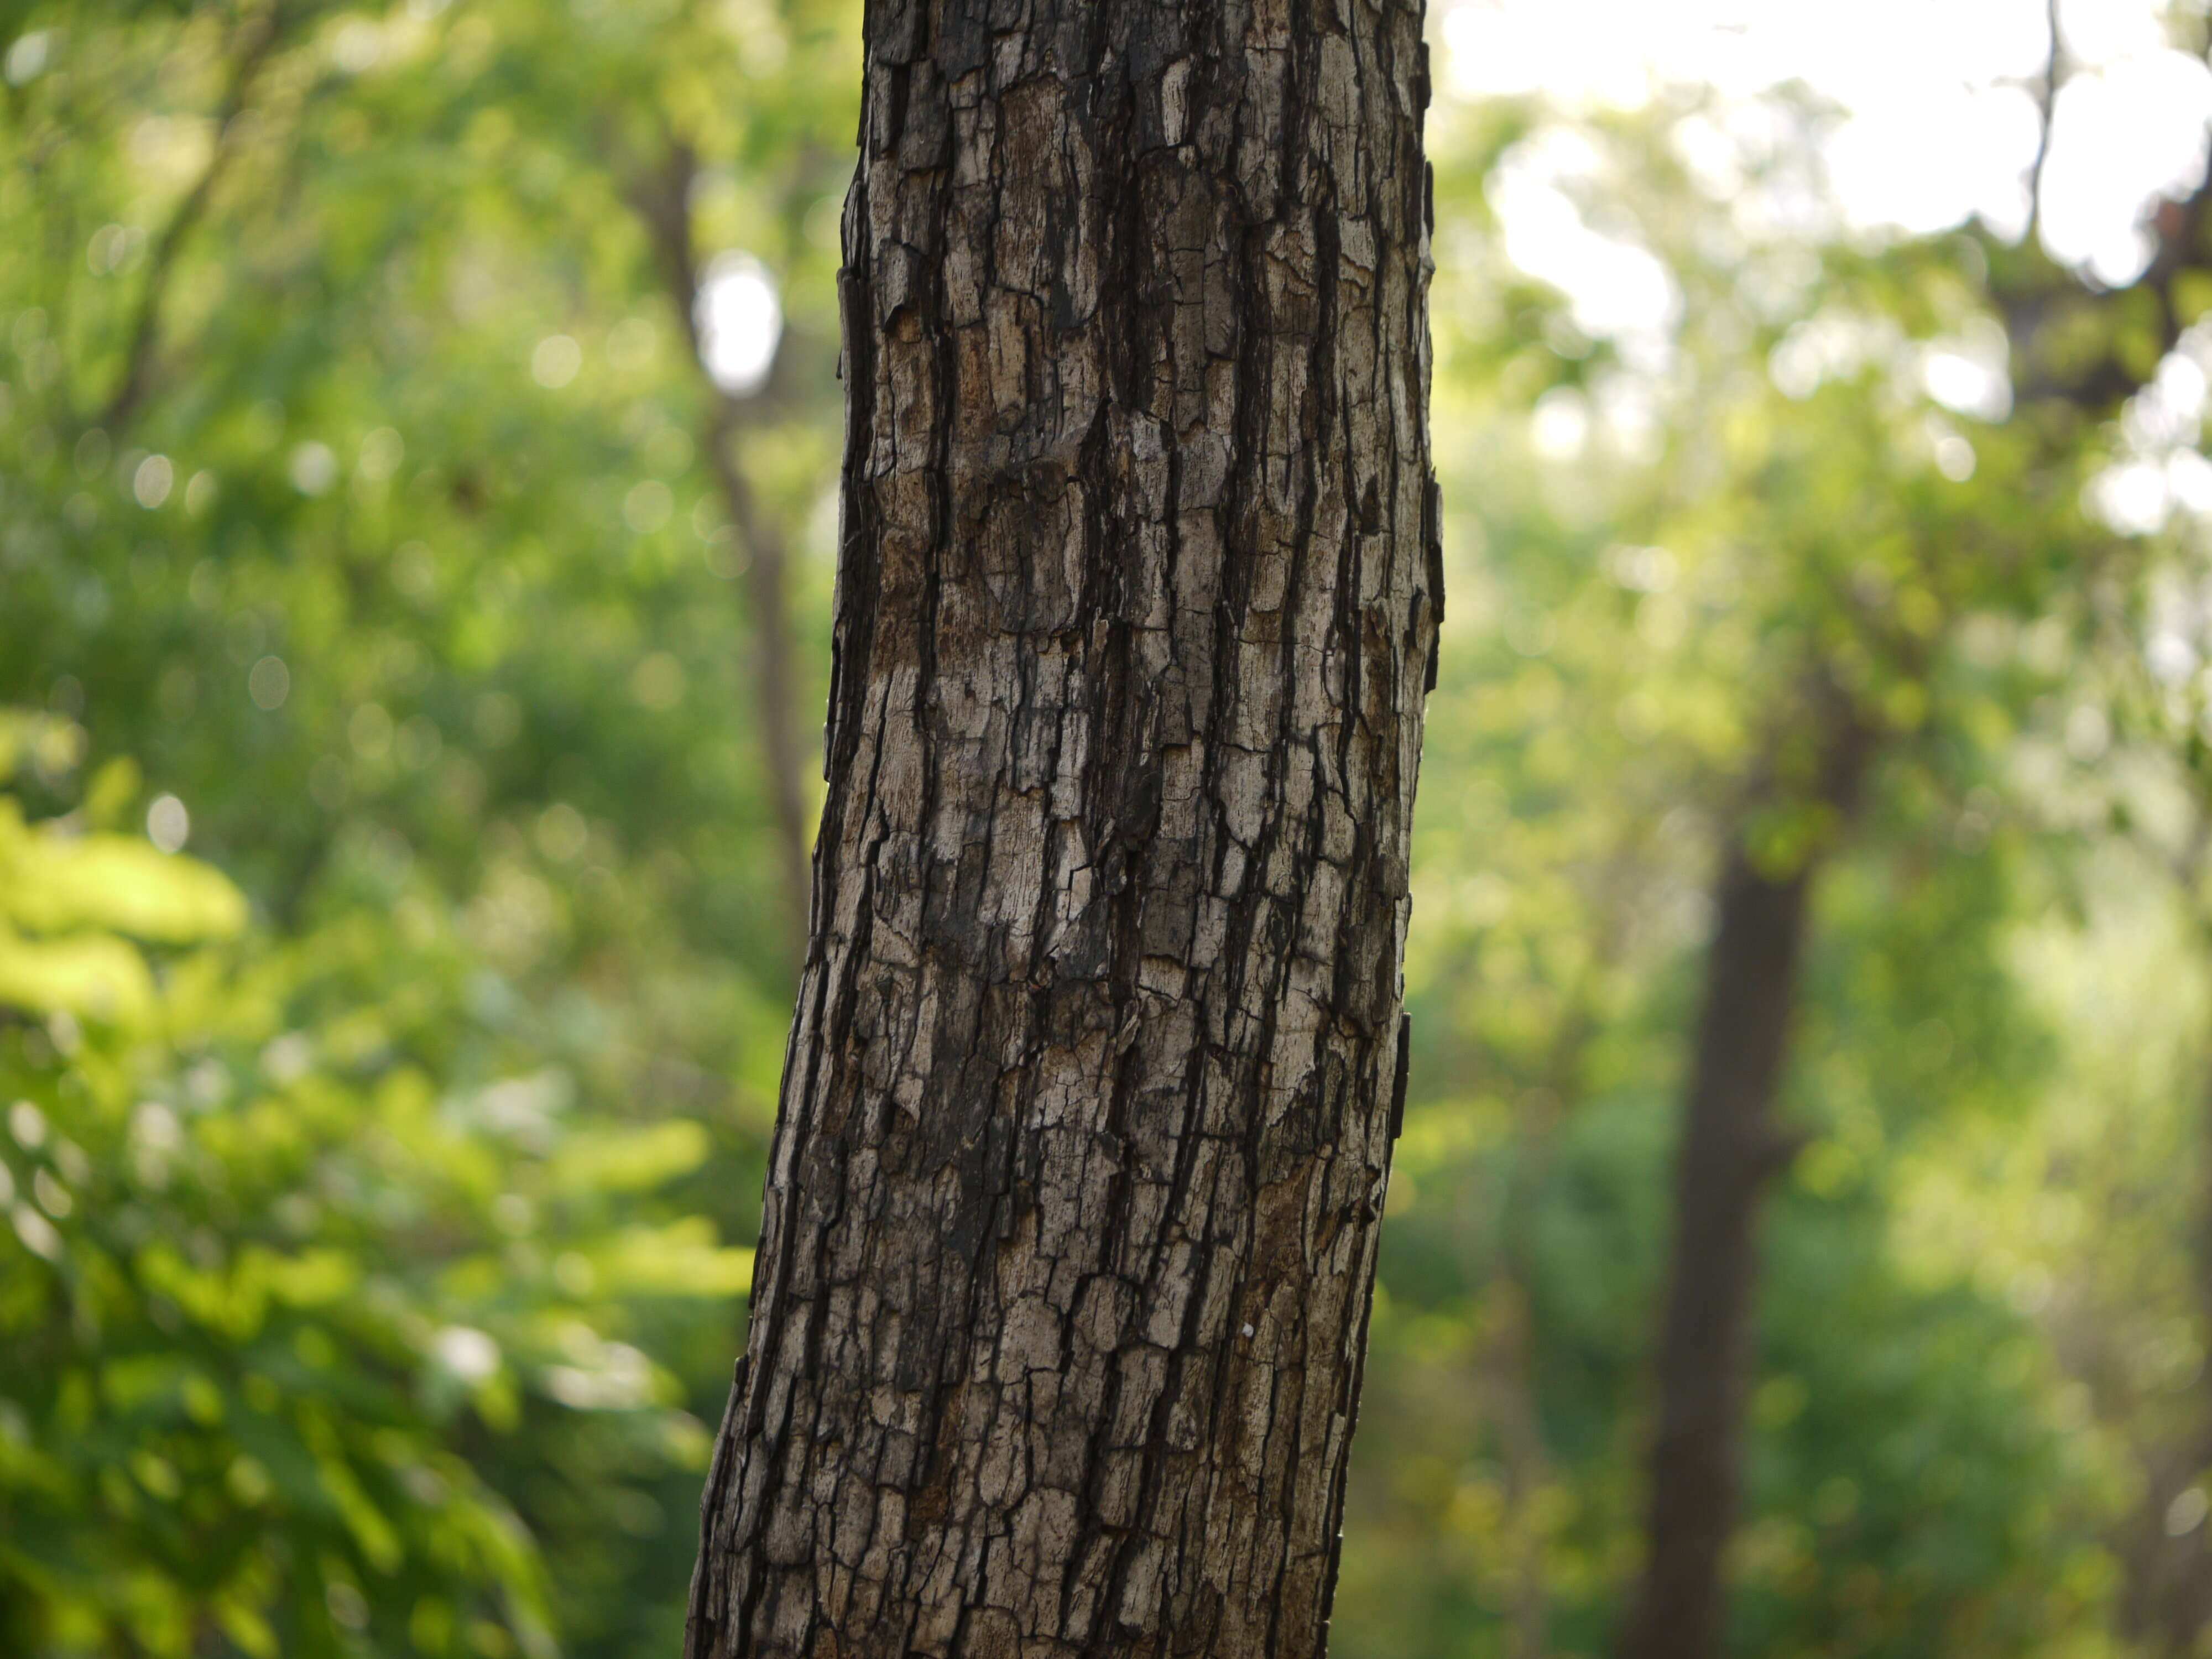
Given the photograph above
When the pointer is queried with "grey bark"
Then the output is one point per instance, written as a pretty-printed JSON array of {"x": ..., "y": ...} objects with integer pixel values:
[{"x": 1069, "y": 1229}]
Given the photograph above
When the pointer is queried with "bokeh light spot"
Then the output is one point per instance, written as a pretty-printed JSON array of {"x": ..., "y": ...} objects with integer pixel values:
[
  {"x": 740, "y": 323},
  {"x": 556, "y": 361},
  {"x": 151, "y": 483},
  {"x": 648, "y": 507},
  {"x": 314, "y": 468},
  {"x": 270, "y": 683},
  {"x": 169, "y": 825}
]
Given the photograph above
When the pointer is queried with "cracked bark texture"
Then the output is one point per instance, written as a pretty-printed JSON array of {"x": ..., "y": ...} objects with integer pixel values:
[{"x": 1070, "y": 1223}]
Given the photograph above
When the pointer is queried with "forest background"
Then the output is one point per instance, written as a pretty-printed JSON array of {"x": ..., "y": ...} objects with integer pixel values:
[{"x": 418, "y": 436}]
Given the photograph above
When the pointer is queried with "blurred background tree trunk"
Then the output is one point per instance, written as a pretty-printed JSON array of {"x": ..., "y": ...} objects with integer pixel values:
[
  {"x": 1070, "y": 1231},
  {"x": 662, "y": 199},
  {"x": 1733, "y": 1145}
]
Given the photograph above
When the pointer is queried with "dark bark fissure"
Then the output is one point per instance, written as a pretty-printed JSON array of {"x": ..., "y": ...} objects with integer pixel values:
[
  {"x": 1733, "y": 1145},
  {"x": 1070, "y": 1231}
]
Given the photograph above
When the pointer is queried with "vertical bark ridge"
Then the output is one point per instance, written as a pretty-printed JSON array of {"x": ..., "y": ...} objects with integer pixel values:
[{"x": 1070, "y": 1231}]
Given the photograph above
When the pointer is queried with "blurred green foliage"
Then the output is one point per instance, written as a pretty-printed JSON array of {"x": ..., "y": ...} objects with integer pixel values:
[
  {"x": 375, "y": 1272},
  {"x": 1657, "y": 551},
  {"x": 273, "y": 1295},
  {"x": 394, "y": 965}
]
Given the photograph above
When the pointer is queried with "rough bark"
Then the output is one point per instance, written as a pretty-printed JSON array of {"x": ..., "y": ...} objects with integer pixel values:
[
  {"x": 1069, "y": 1229},
  {"x": 1733, "y": 1144}
]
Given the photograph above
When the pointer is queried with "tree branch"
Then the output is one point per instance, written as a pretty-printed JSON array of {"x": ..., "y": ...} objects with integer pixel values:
[
  {"x": 2032, "y": 291},
  {"x": 2046, "y": 106},
  {"x": 661, "y": 199},
  {"x": 257, "y": 39}
]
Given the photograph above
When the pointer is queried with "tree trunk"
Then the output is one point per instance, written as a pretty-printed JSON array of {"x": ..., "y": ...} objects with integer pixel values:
[
  {"x": 1069, "y": 1229},
  {"x": 776, "y": 700},
  {"x": 1506, "y": 1365},
  {"x": 1505, "y": 1383},
  {"x": 2165, "y": 1604},
  {"x": 661, "y": 197},
  {"x": 1732, "y": 1145}
]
